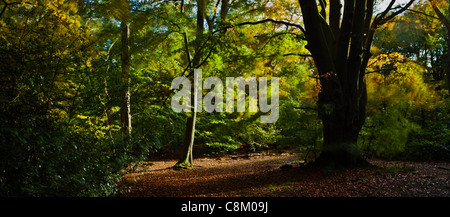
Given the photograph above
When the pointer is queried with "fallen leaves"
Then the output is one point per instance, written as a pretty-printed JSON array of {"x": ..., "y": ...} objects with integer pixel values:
[{"x": 261, "y": 176}]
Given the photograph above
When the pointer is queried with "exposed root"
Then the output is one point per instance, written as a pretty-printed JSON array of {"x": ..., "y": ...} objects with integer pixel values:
[{"x": 182, "y": 166}]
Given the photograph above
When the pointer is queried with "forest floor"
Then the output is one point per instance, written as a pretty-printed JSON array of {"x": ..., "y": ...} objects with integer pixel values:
[{"x": 267, "y": 175}]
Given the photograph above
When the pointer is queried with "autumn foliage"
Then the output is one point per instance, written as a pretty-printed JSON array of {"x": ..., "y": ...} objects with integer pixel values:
[{"x": 71, "y": 88}]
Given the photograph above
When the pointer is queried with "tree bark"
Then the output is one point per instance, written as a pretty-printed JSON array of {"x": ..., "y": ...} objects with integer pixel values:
[
  {"x": 340, "y": 99},
  {"x": 341, "y": 51},
  {"x": 447, "y": 68},
  {"x": 125, "y": 108},
  {"x": 187, "y": 158},
  {"x": 224, "y": 9}
]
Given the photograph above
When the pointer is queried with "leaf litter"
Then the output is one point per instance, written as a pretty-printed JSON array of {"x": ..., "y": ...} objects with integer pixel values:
[{"x": 261, "y": 175}]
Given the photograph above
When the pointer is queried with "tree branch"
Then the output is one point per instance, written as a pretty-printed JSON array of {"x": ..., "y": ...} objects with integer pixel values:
[
  {"x": 439, "y": 14},
  {"x": 422, "y": 13},
  {"x": 400, "y": 11},
  {"x": 8, "y": 4},
  {"x": 273, "y": 21},
  {"x": 4, "y": 8},
  {"x": 378, "y": 21},
  {"x": 389, "y": 7},
  {"x": 297, "y": 54},
  {"x": 323, "y": 6},
  {"x": 381, "y": 18},
  {"x": 306, "y": 108},
  {"x": 382, "y": 70}
]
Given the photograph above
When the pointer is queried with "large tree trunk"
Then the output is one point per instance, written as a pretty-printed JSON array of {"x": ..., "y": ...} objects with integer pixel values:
[
  {"x": 125, "y": 113},
  {"x": 341, "y": 51},
  {"x": 338, "y": 63}
]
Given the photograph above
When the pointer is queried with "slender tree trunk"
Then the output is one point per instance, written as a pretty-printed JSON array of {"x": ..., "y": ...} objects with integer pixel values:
[
  {"x": 187, "y": 158},
  {"x": 447, "y": 68},
  {"x": 125, "y": 113}
]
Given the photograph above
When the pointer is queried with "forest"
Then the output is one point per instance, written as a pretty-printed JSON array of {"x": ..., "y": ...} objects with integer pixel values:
[{"x": 359, "y": 88}]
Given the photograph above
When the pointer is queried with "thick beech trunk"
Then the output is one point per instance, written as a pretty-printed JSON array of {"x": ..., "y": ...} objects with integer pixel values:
[{"x": 341, "y": 50}]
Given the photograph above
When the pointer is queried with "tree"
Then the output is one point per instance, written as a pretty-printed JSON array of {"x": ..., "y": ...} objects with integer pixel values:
[
  {"x": 420, "y": 36},
  {"x": 341, "y": 51},
  {"x": 446, "y": 22},
  {"x": 398, "y": 99},
  {"x": 125, "y": 113},
  {"x": 215, "y": 27},
  {"x": 187, "y": 158},
  {"x": 51, "y": 140}
]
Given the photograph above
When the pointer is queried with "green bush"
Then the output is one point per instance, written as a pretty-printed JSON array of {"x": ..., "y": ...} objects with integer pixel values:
[
  {"x": 385, "y": 133},
  {"x": 258, "y": 136},
  {"x": 50, "y": 161},
  {"x": 300, "y": 128},
  {"x": 430, "y": 144},
  {"x": 218, "y": 148},
  {"x": 157, "y": 128}
]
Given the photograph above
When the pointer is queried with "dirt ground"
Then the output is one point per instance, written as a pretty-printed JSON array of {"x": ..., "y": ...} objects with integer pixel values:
[{"x": 279, "y": 175}]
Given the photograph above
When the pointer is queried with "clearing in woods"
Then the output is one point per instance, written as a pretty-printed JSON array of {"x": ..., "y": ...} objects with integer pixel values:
[{"x": 278, "y": 175}]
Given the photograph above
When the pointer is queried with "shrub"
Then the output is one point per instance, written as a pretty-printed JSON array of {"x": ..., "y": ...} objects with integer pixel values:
[
  {"x": 218, "y": 148},
  {"x": 430, "y": 144},
  {"x": 259, "y": 136},
  {"x": 385, "y": 133},
  {"x": 50, "y": 161}
]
